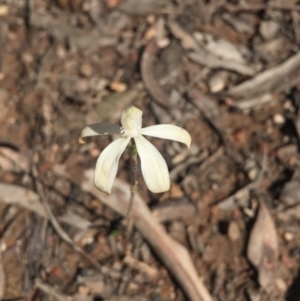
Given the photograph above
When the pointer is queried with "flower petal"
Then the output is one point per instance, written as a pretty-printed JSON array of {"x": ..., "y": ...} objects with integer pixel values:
[
  {"x": 154, "y": 167},
  {"x": 131, "y": 118},
  {"x": 168, "y": 131},
  {"x": 107, "y": 164},
  {"x": 101, "y": 128}
]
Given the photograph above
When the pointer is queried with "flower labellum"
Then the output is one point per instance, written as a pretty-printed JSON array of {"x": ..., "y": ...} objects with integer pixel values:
[{"x": 153, "y": 165}]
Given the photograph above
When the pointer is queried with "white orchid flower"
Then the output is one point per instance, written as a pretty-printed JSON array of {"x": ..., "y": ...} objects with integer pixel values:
[{"x": 154, "y": 166}]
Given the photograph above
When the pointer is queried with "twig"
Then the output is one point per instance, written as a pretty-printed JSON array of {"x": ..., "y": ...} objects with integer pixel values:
[
  {"x": 132, "y": 262},
  {"x": 49, "y": 290},
  {"x": 253, "y": 102},
  {"x": 2, "y": 277},
  {"x": 57, "y": 227}
]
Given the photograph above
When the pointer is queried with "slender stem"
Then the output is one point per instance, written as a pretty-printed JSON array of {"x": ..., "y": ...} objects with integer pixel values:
[
  {"x": 134, "y": 162},
  {"x": 134, "y": 181}
]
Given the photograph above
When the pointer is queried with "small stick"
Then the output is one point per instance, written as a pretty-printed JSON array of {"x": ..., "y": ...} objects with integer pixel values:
[
  {"x": 57, "y": 227},
  {"x": 49, "y": 290}
]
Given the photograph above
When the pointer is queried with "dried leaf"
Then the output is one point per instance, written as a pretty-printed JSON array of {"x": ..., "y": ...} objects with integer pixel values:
[{"x": 263, "y": 248}]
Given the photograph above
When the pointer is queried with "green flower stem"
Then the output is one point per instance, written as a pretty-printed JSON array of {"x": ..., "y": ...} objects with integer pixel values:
[
  {"x": 133, "y": 186},
  {"x": 134, "y": 166}
]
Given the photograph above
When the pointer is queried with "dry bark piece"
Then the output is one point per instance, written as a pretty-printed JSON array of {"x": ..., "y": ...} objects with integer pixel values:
[
  {"x": 267, "y": 80},
  {"x": 221, "y": 48},
  {"x": 253, "y": 103},
  {"x": 239, "y": 199},
  {"x": 210, "y": 61},
  {"x": 174, "y": 210},
  {"x": 16, "y": 195},
  {"x": 262, "y": 248}
]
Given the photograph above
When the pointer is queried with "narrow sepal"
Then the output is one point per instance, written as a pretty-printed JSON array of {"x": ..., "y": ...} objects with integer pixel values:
[
  {"x": 168, "y": 131},
  {"x": 107, "y": 164},
  {"x": 154, "y": 167}
]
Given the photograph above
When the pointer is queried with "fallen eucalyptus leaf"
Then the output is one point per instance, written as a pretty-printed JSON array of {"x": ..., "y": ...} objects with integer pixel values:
[{"x": 263, "y": 248}]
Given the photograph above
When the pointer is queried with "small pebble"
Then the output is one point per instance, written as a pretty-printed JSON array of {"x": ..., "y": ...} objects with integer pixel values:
[
  {"x": 288, "y": 236},
  {"x": 234, "y": 232},
  {"x": 118, "y": 86},
  {"x": 94, "y": 152},
  {"x": 3, "y": 10},
  {"x": 280, "y": 284},
  {"x": 61, "y": 50},
  {"x": 252, "y": 173},
  {"x": 218, "y": 81},
  {"x": 278, "y": 119}
]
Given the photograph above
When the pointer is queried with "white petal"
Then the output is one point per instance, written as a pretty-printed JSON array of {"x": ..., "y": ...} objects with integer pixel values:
[
  {"x": 168, "y": 131},
  {"x": 131, "y": 119},
  {"x": 107, "y": 164},
  {"x": 154, "y": 167},
  {"x": 101, "y": 128}
]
